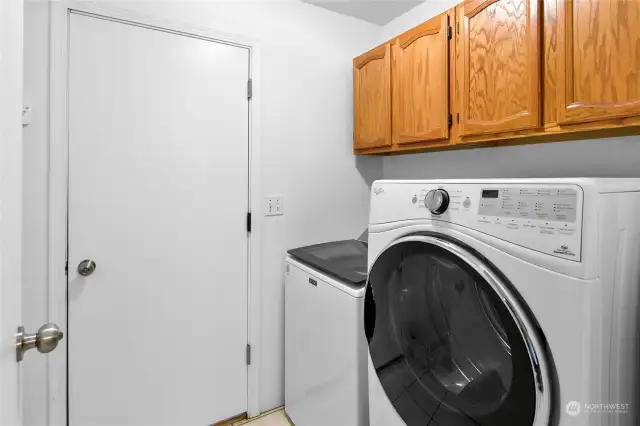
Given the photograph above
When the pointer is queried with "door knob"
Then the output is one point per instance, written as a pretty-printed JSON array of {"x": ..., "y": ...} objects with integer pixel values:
[
  {"x": 45, "y": 340},
  {"x": 86, "y": 267}
]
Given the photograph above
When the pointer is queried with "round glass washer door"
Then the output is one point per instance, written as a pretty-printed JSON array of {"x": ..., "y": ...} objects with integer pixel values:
[{"x": 449, "y": 343}]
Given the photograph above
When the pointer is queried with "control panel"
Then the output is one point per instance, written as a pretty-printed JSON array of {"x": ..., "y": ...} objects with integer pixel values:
[
  {"x": 534, "y": 203},
  {"x": 546, "y": 217}
]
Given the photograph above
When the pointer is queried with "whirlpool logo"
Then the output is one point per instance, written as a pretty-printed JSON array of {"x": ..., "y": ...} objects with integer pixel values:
[
  {"x": 378, "y": 191},
  {"x": 565, "y": 250}
]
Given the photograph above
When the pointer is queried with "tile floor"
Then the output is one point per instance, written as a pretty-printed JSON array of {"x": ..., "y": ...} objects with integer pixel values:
[{"x": 272, "y": 418}]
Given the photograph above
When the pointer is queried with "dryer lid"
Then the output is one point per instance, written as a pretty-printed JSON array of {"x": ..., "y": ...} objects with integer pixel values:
[{"x": 346, "y": 260}]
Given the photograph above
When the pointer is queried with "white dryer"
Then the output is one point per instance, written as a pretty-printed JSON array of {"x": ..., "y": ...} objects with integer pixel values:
[{"x": 504, "y": 302}]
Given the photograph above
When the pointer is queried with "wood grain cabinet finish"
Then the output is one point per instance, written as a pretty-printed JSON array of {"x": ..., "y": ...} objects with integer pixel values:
[
  {"x": 500, "y": 66},
  {"x": 598, "y": 60},
  {"x": 514, "y": 72},
  {"x": 420, "y": 83},
  {"x": 372, "y": 99}
]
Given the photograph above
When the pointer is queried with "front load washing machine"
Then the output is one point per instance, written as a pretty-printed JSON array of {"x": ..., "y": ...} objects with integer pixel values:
[{"x": 504, "y": 302}]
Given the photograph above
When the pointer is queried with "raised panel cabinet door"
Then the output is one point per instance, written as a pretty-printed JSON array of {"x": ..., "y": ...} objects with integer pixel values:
[
  {"x": 420, "y": 83},
  {"x": 598, "y": 60},
  {"x": 500, "y": 70},
  {"x": 372, "y": 99}
]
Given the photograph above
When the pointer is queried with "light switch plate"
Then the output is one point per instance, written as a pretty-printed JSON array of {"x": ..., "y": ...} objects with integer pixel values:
[{"x": 274, "y": 205}]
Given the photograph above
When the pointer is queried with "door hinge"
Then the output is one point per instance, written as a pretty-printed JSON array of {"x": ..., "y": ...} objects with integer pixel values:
[
  {"x": 458, "y": 27},
  {"x": 66, "y": 268},
  {"x": 249, "y": 222},
  {"x": 458, "y": 117},
  {"x": 449, "y": 33},
  {"x": 450, "y": 120},
  {"x": 248, "y": 354},
  {"x": 249, "y": 89}
]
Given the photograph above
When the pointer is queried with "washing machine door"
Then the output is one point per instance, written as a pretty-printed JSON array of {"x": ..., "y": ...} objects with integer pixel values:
[{"x": 448, "y": 339}]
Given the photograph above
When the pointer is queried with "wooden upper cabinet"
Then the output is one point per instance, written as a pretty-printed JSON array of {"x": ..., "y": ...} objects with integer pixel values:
[
  {"x": 500, "y": 69},
  {"x": 372, "y": 99},
  {"x": 598, "y": 60},
  {"x": 420, "y": 83}
]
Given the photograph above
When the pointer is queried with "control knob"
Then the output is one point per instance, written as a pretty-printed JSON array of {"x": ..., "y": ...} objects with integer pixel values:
[{"x": 437, "y": 201}]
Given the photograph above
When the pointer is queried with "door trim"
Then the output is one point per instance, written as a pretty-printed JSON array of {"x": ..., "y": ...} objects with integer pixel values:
[
  {"x": 57, "y": 409},
  {"x": 11, "y": 103}
]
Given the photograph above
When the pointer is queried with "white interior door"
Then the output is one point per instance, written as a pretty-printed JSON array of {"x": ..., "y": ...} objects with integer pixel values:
[
  {"x": 158, "y": 195},
  {"x": 10, "y": 208}
]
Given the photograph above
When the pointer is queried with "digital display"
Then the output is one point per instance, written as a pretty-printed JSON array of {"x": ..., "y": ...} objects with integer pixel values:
[{"x": 490, "y": 193}]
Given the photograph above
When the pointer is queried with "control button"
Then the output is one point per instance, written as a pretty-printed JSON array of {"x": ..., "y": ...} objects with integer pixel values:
[
  {"x": 528, "y": 191},
  {"x": 437, "y": 201},
  {"x": 414, "y": 199},
  {"x": 567, "y": 192},
  {"x": 567, "y": 230},
  {"x": 466, "y": 203},
  {"x": 513, "y": 225},
  {"x": 547, "y": 229}
]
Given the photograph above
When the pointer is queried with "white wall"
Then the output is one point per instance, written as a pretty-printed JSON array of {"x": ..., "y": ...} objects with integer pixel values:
[
  {"x": 614, "y": 157},
  {"x": 306, "y": 151},
  {"x": 415, "y": 16},
  {"x": 604, "y": 157}
]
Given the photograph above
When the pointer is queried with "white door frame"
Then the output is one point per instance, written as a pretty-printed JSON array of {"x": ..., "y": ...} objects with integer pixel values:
[
  {"x": 58, "y": 184},
  {"x": 11, "y": 60}
]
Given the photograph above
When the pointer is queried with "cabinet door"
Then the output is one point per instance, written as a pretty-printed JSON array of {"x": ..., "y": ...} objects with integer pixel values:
[
  {"x": 420, "y": 83},
  {"x": 500, "y": 68},
  {"x": 598, "y": 60},
  {"x": 372, "y": 99}
]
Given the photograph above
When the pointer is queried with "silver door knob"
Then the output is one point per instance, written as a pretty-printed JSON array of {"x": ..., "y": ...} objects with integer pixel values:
[
  {"x": 86, "y": 267},
  {"x": 45, "y": 340}
]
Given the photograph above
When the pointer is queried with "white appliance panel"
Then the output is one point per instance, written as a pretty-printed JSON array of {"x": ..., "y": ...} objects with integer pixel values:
[
  {"x": 325, "y": 350},
  {"x": 543, "y": 217}
]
